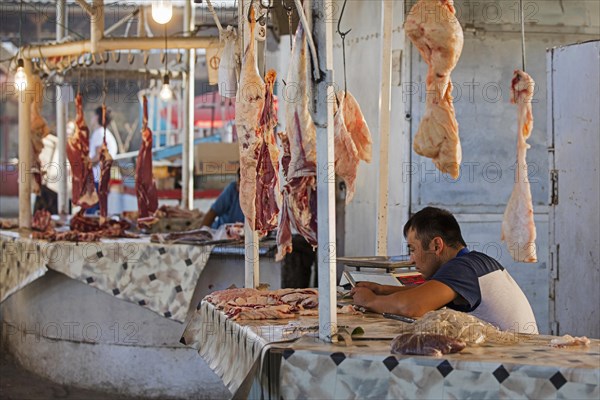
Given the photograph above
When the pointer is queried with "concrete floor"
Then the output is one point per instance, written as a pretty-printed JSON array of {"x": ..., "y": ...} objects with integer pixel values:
[{"x": 17, "y": 383}]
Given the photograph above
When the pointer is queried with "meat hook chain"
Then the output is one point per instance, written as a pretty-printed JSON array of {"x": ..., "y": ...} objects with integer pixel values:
[
  {"x": 265, "y": 16},
  {"x": 289, "y": 11},
  {"x": 343, "y": 36},
  {"x": 522, "y": 35}
]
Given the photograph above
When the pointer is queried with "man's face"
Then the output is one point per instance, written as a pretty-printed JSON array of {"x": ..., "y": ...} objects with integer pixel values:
[{"x": 425, "y": 259}]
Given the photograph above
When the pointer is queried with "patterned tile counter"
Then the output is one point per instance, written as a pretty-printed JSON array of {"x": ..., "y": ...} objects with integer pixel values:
[
  {"x": 159, "y": 277},
  {"x": 271, "y": 359}
]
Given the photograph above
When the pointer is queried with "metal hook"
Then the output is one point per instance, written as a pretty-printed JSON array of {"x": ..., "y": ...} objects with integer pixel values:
[
  {"x": 288, "y": 9},
  {"x": 343, "y": 37},
  {"x": 95, "y": 60},
  {"x": 106, "y": 57},
  {"x": 116, "y": 56},
  {"x": 269, "y": 5},
  {"x": 130, "y": 57},
  {"x": 342, "y": 34}
]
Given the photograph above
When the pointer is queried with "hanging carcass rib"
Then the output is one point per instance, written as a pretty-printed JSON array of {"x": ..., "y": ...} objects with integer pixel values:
[
  {"x": 299, "y": 160},
  {"x": 433, "y": 28},
  {"x": 518, "y": 227},
  {"x": 106, "y": 161},
  {"x": 248, "y": 108},
  {"x": 39, "y": 130},
  {"x": 268, "y": 197},
  {"x": 352, "y": 140},
  {"x": 78, "y": 149},
  {"x": 144, "y": 183}
]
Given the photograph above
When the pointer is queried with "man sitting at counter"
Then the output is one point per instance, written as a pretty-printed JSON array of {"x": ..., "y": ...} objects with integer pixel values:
[{"x": 456, "y": 278}]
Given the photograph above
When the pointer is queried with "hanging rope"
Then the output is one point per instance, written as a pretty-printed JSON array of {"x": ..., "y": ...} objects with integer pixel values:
[
  {"x": 104, "y": 92},
  {"x": 215, "y": 17},
  {"x": 522, "y": 35},
  {"x": 343, "y": 36},
  {"x": 309, "y": 38}
]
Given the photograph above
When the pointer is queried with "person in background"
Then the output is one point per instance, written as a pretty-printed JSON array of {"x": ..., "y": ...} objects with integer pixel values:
[
  {"x": 96, "y": 140},
  {"x": 463, "y": 280},
  {"x": 296, "y": 266},
  {"x": 226, "y": 209}
]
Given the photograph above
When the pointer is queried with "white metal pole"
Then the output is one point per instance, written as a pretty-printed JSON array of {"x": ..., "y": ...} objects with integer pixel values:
[
  {"x": 25, "y": 100},
  {"x": 119, "y": 43},
  {"x": 387, "y": 9},
  {"x": 187, "y": 174},
  {"x": 322, "y": 31},
  {"x": 97, "y": 25},
  {"x": 251, "y": 257},
  {"x": 61, "y": 122}
]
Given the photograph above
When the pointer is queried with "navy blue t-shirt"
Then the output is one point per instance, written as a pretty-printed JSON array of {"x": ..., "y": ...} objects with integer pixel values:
[
  {"x": 487, "y": 291},
  {"x": 462, "y": 274},
  {"x": 227, "y": 207}
]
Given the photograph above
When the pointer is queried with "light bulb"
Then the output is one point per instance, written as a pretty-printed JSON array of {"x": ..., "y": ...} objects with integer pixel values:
[
  {"x": 166, "y": 94},
  {"x": 162, "y": 11},
  {"x": 20, "y": 76}
]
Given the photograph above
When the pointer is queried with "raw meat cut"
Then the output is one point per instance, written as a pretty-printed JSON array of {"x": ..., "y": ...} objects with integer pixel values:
[
  {"x": 106, "y": 161},
  {"x": 435, "y": 31},
  {"x": 426, "y": 344},
  {"x": 78, "y": 149},
  {"x": 39, "y": 130},
  {"x": 300, "y": 127},
  {"x": 145, "y": 187},
  {"x": 299, "y": 208},
  {"x": 83, "y": 229},
  {"x": 268, "y": 197},
  {"x": 518, "y": 227},
  {"x": 357, "y": 126},
  {"x": 568, "y": 340},
  {"x": 249, "y": 104},
  {"x": 42, "y": 221}
]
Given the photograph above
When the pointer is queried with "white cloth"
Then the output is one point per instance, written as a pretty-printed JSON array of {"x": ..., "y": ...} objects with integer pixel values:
[{"x": 96, "y": 139}]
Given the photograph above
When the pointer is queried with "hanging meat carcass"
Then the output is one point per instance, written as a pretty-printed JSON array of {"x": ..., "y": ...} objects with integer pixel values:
[
  {"x": 78, "y": 149},
  {"x": 106, "y": 161},
  {"x": 299, "y": 208},
  {"x": 39, "y": 130},
  {"x": 352, "y": 140},
  {"x": 145, "y": 186},
  {"x": 249, "y": 104},
  {"x": 435, "y": 31},
  {"x": 268, "y": 197},
  {"x": 518, "y": 227}
]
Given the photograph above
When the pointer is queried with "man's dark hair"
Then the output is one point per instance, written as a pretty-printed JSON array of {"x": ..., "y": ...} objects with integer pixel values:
[
  {"x": 98, "y": 112},
  {"x": 431, "y": 222}
]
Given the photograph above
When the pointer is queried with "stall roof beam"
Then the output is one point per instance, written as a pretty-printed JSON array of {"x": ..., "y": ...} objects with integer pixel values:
[{"x": 114, "y": 44}]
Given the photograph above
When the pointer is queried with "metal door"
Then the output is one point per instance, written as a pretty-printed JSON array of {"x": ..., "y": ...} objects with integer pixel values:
[{"x": 574, "y": 155}]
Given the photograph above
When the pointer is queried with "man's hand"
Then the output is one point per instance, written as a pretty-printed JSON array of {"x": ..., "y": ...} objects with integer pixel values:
[
  {"x": 362, "y": 296},
  {"x": 372, "y": 286}
]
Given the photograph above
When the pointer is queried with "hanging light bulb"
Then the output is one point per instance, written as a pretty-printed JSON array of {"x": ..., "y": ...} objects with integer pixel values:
[
  {"x": 162, "y": 11},
  {"x": 166, "y": 94},
  {"x": 20, "y": 75}
]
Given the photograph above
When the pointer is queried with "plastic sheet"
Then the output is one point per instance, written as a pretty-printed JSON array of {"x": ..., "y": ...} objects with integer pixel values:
[{"x": 459, "y": 325}]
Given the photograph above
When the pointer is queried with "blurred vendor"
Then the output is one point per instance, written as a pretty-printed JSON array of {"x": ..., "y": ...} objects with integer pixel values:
[{"x": 226, "y": 209}]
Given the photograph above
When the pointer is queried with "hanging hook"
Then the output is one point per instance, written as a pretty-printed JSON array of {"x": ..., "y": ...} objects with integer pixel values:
[
  {"x": 116, "y": 56},
  {"x": 106, "y": 57},
  {"x": 343, "y": 36},
  {"x": 289, "y": 10}
]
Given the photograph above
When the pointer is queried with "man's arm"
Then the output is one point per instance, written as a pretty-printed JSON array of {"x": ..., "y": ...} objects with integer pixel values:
[
  {"x": 381, "y": 289},
  {"x": 209, "y": 218},
  {"x": 411, "y": 302}
]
